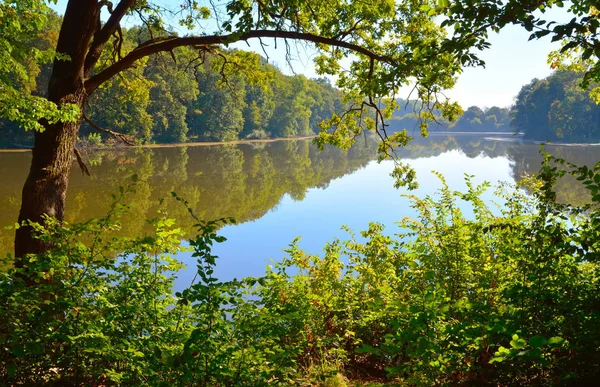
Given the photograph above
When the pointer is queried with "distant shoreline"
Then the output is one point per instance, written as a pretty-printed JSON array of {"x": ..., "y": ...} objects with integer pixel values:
[
  {"x": 518, "y": 137},
  {"x": 504, "y": 136},
  {"x": 538, "y": 142},
  {"x": 449, "y": 132},
  {"x": 179, "y": 144}
]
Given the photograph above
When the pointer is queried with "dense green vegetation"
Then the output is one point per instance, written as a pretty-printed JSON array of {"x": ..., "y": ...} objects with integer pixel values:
[
  {"x": 212, "y": 99},
  {"x": 506, "y": 296},
  {"x": 186, "y": 97},
  {"x": 557, "y": 109}
]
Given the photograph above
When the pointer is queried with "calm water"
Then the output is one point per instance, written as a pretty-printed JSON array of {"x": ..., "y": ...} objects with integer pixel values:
[{"x": 278, "y": 191}]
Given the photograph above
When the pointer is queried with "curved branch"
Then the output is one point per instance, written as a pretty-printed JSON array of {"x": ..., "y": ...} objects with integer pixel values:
[
  {"x": 104, "y": 34},
  {"x": 167, "y": 44},
  {"x": 82, "y": 166},
  {"x": 117, "y": 135}
]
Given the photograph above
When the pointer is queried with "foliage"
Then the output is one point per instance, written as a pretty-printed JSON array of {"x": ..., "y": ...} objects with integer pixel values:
[
  {"x": 24, "y": 22},
  {"x": 405, "y": 45},
  {"x": 183, "y": 97},
  {"x": 471, "y": 21},
  {"x": 556, "y": 108},
  {"x": 465, "y": 294}
]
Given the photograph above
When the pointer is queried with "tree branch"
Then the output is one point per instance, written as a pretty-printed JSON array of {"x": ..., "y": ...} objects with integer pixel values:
[
  {"x": 117, "y": 135},
  {"x": 167, "y": 44},
  {"x": 76, "y": 32},
  {"x": 82, "y": 166},
  {"x": 104, "y": 34}
]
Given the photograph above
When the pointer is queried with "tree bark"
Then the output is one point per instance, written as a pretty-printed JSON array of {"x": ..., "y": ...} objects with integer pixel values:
[{"x": 45, "y": 189}]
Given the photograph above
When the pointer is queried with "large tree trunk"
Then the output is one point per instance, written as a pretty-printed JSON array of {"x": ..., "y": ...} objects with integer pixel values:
[{"x": 45, "y": 189}]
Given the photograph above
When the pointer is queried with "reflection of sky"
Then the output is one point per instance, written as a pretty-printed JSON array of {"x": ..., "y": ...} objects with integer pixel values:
[{"x": 354, "y": 200}]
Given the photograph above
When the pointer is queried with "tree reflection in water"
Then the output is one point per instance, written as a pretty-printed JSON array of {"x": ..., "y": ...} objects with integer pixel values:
[{"x": 246, "y": 181}]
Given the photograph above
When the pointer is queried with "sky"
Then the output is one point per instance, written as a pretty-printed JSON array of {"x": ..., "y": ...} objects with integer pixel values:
[{"x": 511, "y": 62}]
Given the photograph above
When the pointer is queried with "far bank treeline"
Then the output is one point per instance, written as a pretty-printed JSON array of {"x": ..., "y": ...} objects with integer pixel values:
[
  {"x": 186, "y": 96},
  {"x": 556, "y": 108},
  {"x": 474, "y": 119}
]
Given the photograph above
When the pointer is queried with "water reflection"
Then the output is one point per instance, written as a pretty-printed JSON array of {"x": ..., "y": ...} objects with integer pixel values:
[
  {"x": 248, "y": 181},
  {"x": 243, "y": 182},
  {"x": 525, "y": 158}
]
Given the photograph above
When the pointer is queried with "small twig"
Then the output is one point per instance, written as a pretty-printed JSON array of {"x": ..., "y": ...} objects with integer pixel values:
[
  {"x": 263, "y": 45},
  {"x": 117, "y": 135},
  {"x": 82, "y": 166}
]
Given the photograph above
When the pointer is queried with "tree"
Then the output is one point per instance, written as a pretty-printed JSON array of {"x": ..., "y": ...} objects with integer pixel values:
[
  {"x": 556, "y": 108},
  {"x": 219, "y": 107},
  {"x": 387, "y": 42}
]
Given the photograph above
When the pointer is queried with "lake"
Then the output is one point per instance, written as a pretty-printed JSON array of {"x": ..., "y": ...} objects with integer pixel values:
[{"x": 280, "y": 190}]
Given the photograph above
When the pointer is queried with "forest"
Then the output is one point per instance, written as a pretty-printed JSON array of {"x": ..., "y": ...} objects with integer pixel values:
[
  {"x": 181, "y": 97},
  {"x": 557, "y": 109},
  {"x": 473, "y": 119}
]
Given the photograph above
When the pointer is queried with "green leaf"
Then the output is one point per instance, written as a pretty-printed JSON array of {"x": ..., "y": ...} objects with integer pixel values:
[
  {"x": 556, "y": 341},
  {"x": 11, "y": 369},
  {"x": 537, "y": 341},
  {"x": 518, "y": 343},
  {"x": 18, "y": 350}
]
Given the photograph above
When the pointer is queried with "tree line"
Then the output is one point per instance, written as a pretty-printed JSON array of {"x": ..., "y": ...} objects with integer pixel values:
[
  {"x": 556, "y": 108},
  {"x": 183, "y": 97},
  {"x": 409, "y": 114}
]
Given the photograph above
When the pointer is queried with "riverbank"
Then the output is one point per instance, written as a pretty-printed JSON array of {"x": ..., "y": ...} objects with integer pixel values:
[
  {"x": 451, "y": 133},
  {"x": 181, "y": 144},
  {"x": 237, "y": 142}
]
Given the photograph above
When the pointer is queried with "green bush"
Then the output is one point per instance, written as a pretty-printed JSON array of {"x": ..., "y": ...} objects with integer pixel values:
[{"x": 504, "y": 296}]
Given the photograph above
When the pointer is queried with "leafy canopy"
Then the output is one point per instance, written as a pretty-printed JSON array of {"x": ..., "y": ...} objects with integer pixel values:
[{"x": 20, "y": 22}]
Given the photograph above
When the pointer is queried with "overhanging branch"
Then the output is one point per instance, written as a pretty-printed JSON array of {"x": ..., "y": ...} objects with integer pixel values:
[
  {"x": 103, "y": 35},
  {"x": 117, "y": 135},
  {"x": 168, "y": 44},
  {"x": 81, "y": 163}
]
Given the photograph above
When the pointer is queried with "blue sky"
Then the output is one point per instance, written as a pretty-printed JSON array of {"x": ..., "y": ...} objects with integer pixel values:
[{"x": 511, "y": 63}]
